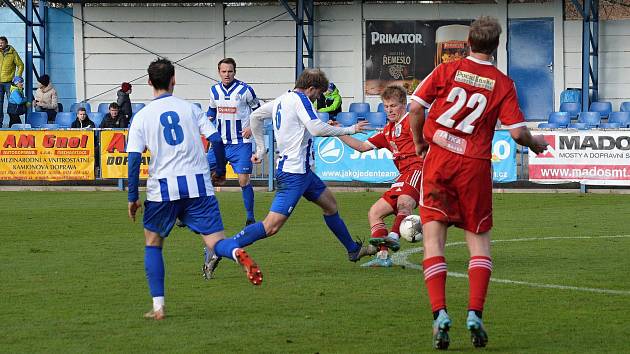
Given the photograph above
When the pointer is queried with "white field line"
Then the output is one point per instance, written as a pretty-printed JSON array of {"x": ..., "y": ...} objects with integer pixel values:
[{"x": 400, "y": 259}]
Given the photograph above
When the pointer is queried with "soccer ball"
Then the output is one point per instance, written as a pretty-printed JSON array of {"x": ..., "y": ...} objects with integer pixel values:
[{"x": 411, "y": 228}]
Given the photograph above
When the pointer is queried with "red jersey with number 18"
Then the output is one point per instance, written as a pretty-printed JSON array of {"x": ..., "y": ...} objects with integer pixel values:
[{"x": 466, "y": 98}]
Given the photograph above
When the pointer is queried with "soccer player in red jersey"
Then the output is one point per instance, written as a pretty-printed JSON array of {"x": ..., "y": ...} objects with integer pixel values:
[
  {"x": 402, "y": 198},
  {"x": 466, "y": 98}
]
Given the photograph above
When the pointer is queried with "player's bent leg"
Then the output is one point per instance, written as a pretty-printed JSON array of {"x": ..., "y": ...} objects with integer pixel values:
[
  {"x": 154, "y": 268},
  {"x": 379, "y": 210}
]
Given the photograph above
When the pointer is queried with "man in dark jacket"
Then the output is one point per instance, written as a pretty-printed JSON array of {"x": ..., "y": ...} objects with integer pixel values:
[
  {"x": 83, "y": 121},
  {"x": 114, "y": 119},
  {"x": 124, "y": 103}
]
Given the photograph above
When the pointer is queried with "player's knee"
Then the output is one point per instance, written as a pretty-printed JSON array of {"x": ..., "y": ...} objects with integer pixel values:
[{"x": 373, "y": 213}]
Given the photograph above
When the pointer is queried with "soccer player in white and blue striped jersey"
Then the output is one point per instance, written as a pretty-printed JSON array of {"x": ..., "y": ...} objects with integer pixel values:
[
  {"x": 231, "y": 103},
  {"x": 179, "y": 184},
  {"x": 295, "y": 123}
]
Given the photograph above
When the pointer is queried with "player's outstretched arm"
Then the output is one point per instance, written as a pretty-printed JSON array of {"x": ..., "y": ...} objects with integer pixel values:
[
  {"x": 524, "y": 137},
  {"x": 356, "y": 144},
  {"x": 318, "y": 128},
  {"x": 256, "y": 123},
  {"x": 133, "y": 172}
]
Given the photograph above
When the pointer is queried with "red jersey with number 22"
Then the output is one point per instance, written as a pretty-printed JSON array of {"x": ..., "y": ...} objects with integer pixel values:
[{"x": 466, "y": 98}]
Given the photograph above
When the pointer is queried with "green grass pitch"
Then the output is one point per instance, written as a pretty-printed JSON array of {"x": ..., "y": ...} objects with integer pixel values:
[{"x": 72, "y": 280}]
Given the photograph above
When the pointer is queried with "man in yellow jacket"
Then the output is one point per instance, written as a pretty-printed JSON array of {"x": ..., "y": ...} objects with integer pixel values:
[{"x": 9, "y": 61}]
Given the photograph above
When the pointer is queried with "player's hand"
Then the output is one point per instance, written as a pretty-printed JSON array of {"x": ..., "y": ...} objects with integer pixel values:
[
  {"x": 539, "y": 144},
  {"x": 133, "y": 208},
  {"x": 247, "y": 133},
  {"x": 255, "y": 159},
  {"x": 334, "y": 123},
  {"x": 217, "y": 180},
  {"x": 421, "y": 148},
  {"x": 361, "y": 126}
]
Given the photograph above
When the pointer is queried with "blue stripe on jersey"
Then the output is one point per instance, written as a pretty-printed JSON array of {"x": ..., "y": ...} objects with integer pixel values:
[
  {"x": 281, "y": 162},
  {"x": 164, "y": 189},
  {"x": 235, "y": 84},
  {"x": 201, "y": 185},
  {"x": 182, "y": 185},
  {"x": 252, "y": 91},
  {"x": 242, "y": 91},
  {"x": 239, "y": 129},
  {"x": 307, "y": 105},
  {"x": 307, "y": 163},
  {"x": 212, "y": 112},
  {"x": 228, "y": 132},
  {"x": 215, "y": 93},
  {"x": 219, "y": 125}
]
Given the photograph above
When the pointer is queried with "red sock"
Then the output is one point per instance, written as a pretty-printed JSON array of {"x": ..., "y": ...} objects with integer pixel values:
[
  {"x": 399, "y": 218},
  {"x": 479, "y": 270},
  {"x": 435, "y": 280},
  {"x": 379, "y": 230}
]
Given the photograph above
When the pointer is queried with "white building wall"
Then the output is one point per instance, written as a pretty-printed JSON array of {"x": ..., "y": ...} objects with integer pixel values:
[{"x": 265, "y": 54}]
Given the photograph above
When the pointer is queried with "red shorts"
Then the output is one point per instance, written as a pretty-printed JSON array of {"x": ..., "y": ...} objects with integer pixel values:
[
  {"x": 407, "y": 183},
  {"x": 456, "y": 190}
]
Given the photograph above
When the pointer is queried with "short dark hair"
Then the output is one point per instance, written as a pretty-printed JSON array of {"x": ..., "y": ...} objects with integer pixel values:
[
  {"x": 3, "y": 38},
  {"x": 114, "y": 105},
  {"x": 484, "y": 35},
  {"x": 312, "y": 78},
  {"x": 395, "y": 92},
  {"x": 44, "y": 80},
  {"x": 161, "y": 71},
  {"x": 227, "y": 61},
  {"x": 81, "y": 109}
]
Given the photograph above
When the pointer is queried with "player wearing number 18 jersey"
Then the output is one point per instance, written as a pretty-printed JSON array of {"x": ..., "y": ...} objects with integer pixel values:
[
  {"x": 466, "y": 98},
  {"x": 179, "y": 184}
]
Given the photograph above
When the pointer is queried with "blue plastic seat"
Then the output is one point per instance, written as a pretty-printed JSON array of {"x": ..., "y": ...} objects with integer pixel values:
[
  {"x": 37, "y": 119},
  {"x": 97, "y": 118},
  {"x": 580, "y": 126},
  {"x": 347, "y": 119},
  {"x": 604, "y": 108},
  {"x": 377, "y": 119},
  {"x": 76, "y": 106},
  {"x": 323, "y": 116},
  {"x": 103, "y": 107},
  {"x": 360, "y": 108},
  {"x": 562, "y": 119},
  {"x": 609, "y": 125},
  {"x": 381, "y": 107},
  {"x": 624, "y": 107},
  {"x": 548, "y": 125},
  {"x": 572, "y": 107},
  {"x": 623, "y": 118},
  {"x": 51, "y": 126},
  {"x": 592, "y": 119},
  {"x": 21, "y": 126},
  {"x": 65, "y": 119},
  {"x": 135, "y": 107}
]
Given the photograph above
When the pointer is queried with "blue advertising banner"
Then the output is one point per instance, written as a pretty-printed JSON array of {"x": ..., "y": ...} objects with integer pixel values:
[
  {"x": 335, "y": 161},
  {"x": 503, "y": 157}
]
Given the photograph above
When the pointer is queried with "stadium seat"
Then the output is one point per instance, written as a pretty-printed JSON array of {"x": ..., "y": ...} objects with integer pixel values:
[
  {"x": 97, "y": 118},
  {"x": 77, "y": 105},
  {"x": 21, "y": 126},
  {"x": 604, "y": 108},
  {"x": 360, "y": 108},
  {"x": 135, "y": 107},
  {"x": 51, "y": 126},
  {"x": 562, "y": 119},
  {"x": 623, "y": 118},
  {"x": 548, "y": 125},
  {"x": 347, "y": 119},
  {"x": 377, "y": 119},
  {"x": 65, "y": 119},
  {"x": 37, "y": 119},
  {"x": 572, "y": 107},
  {"x": 323, "y": 116},
  {"x": 592, "y": 119},
  {"x": 381, "y": 107},
  {"x": 103, "y": 107},
  {"x": 580, "y": 126},
  {"x": 610, "y": 125},
  {"x": 624, "y": 107}
]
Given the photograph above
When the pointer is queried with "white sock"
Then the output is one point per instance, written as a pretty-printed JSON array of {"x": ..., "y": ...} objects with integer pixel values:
[
  {"x": 394, "y": 235},
  {"x": 234, "y": 255},
  {"x": 158, "y": 303}
]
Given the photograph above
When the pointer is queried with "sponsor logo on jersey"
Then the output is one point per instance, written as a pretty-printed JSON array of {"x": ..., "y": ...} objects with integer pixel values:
[
  {"x": 474, "y": 80},
  {"x": 226, "y": 110}
]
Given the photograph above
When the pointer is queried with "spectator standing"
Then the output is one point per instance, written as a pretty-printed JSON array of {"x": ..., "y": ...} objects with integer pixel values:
[
  {"x": 46, "y": 99},
  {"x": 114, "y": 119},
  {"x": 17, "y": 101},
  {"x": 9, "y": 61},
  {"x": 123, "y": 101},
  {"x": 330, "y": 101},
  {"x": 83, "y": 121}
]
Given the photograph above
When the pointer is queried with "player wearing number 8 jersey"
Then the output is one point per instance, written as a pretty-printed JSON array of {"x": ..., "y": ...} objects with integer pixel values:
[
  {"x": 179, "y": 184},
  {"x": 466, "y": 98}
]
